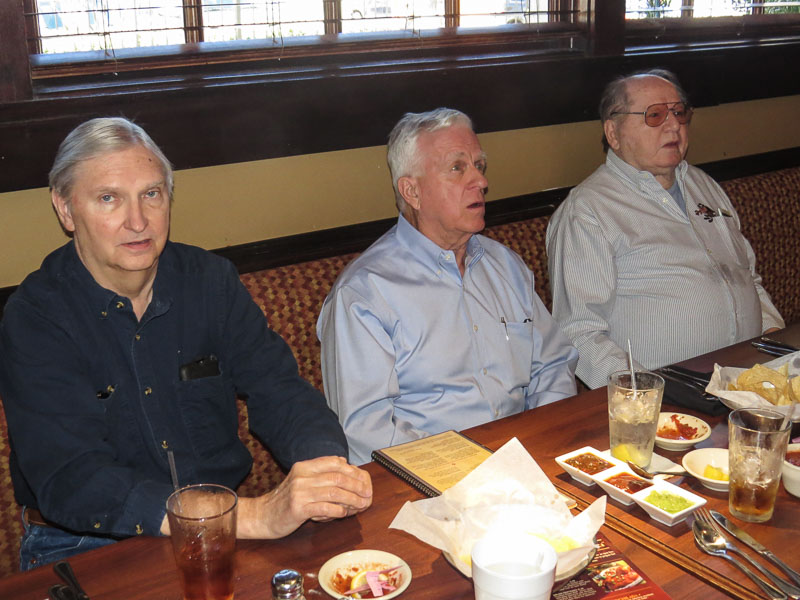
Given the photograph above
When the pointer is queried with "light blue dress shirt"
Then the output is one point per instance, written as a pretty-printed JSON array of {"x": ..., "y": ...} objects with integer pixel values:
[{"x": 410, "y": 348}]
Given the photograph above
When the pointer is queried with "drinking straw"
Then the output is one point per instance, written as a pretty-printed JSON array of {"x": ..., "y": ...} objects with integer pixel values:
[{"x": 630, "y": 366}]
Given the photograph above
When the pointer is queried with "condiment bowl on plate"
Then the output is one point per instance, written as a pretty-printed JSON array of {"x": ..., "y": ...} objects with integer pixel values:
[
  {"x": 791, "y": 472},
  {"x": 696, "y": 461},
  {"x": 677, "y": 431}
]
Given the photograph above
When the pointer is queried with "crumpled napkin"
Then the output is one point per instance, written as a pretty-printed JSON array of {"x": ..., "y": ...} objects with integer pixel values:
[
  {"x": 722, "y": 376},
  {"x": 507, "y": 491}
]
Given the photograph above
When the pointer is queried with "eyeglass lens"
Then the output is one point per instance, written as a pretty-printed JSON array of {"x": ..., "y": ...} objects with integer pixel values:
[{"x": 656, "y": 114}]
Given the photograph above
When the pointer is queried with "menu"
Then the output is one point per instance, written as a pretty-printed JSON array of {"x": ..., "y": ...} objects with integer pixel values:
[
  {"x": 610, "y": 576},
  {"x": 434, "y": 463}
]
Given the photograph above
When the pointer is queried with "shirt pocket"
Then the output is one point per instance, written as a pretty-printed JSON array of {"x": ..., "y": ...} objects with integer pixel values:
[
  {"x": 520, "y": 353},
  {"x": 208, "y": 409}
]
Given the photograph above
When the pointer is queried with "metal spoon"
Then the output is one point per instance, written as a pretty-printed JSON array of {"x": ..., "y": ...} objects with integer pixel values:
[
  {"x": 651, "y": 474},
  {"x": 712, "y": 543}
]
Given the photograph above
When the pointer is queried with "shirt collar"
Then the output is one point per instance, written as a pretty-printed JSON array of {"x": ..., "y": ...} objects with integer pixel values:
[
  {"x": 429, "y": 253},
  {"x": 642, "y": 180},
  {"x": 104, "y": 300}
]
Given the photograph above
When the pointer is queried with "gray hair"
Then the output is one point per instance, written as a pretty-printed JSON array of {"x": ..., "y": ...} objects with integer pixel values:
[
  {"x": 615, "y": 95},
  {"x": 97, "y": 137},
  {"x": 401, "y": 153}
]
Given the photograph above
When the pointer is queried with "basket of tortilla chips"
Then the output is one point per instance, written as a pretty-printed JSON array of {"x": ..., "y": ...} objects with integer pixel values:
[{"x": 770, "y": 385}]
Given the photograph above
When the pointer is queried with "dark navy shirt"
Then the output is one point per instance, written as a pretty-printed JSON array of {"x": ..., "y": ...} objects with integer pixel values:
[{"x": 94, "y": 399}]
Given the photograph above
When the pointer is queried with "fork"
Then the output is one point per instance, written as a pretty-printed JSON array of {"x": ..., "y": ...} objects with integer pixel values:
[{"x": 702, "y": 514}]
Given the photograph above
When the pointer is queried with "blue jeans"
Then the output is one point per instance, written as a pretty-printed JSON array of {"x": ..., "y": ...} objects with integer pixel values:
[{"x": 42, "y": 545}]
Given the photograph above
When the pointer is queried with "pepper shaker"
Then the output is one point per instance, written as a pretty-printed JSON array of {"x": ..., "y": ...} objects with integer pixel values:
[{"x": 287, "y": 584}]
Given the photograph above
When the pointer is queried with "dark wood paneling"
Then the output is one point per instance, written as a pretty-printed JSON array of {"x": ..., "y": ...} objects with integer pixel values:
[
  {"x": 15, "y": 76},
  {"x": 301, "y": 111},
  {"x": 356, "y": 238}
]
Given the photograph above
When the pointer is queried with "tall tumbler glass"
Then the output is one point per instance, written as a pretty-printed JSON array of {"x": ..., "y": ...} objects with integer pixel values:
[
  {"x": 202, "y": 522},
  {"x": 757, "y": 440},
  {"x": 633, "y": 415}
]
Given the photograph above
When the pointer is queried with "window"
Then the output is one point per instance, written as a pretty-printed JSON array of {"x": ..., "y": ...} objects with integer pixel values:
[
  {"x": 660, "y": 9},
  {"x": 61, "y": 26}
]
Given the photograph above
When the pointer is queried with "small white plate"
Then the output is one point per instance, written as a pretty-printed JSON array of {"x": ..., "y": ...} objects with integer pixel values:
[
  {"x": 665, "y": 420},
  {"x": 349, "y": 563},
  {"x": 696, "y": 461}
]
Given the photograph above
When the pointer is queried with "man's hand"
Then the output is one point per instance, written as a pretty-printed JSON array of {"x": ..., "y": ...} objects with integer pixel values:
[{"x": 320, "y": 489}]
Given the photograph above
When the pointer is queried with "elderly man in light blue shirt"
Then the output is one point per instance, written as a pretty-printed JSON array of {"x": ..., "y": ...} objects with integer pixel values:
[{"x": 435, "y": 327}]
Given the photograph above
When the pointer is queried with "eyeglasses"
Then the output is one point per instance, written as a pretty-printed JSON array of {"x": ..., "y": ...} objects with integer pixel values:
[{"x": 656, "y": 114}]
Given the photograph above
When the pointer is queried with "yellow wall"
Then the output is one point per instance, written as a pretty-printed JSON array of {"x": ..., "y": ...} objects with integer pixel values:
[{"x": 247, "y": 202}]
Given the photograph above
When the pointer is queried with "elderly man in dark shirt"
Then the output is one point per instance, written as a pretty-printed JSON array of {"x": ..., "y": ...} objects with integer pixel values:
[{"x": 125, "y": 347}]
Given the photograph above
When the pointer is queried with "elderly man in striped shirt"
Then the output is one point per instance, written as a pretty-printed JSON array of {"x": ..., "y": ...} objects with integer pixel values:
[{"x": 648, "y": 247}]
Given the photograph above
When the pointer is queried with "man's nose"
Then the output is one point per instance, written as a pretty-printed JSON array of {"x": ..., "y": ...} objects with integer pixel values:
[
  {"x": 671, "y": 122},
  {"x": 480, "y": 178},
  {"x": 137, "y": 220}
]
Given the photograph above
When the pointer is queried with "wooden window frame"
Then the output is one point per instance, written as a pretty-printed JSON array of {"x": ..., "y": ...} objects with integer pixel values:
[{"x": 309, "y": 99}]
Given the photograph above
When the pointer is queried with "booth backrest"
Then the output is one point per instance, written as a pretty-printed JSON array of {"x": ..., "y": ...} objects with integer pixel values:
[{"x": 291, "y": 297}]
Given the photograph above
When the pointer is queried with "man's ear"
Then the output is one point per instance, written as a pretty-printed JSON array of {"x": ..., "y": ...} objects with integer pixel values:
[
  {"x": 407, "y": 186},
  {"x": 610, "y": 129},
  {"x": 63, "y": 210}
]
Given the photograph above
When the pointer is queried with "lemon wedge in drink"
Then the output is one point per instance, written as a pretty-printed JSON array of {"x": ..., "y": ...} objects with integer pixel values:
[{"x": 627, "y": 452}]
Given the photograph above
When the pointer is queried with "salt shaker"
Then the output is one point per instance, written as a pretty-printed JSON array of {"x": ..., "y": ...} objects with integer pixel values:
[{"x": 287, "y": 584}]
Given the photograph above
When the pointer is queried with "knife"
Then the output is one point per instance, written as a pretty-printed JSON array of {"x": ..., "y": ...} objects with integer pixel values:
[
  {"x": 773, "y": 347},
  {"x": 745, "y": 537}
]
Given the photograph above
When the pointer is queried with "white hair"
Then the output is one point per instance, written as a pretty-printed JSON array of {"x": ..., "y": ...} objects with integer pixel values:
[
  {"x": 97, "y": 137},
  {"x": 401, "y": 153}
]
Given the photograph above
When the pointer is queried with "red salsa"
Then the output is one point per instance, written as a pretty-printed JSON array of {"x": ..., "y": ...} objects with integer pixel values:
[
  {"x": 588, "y": 463},
  {"x": 628, "y": 483},
  {"x": 681, "y": 431},
  {"x": 793, "y": 456}
]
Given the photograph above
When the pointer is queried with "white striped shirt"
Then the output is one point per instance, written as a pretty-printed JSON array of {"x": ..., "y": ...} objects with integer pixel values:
[{"x": 626, "y": 263}]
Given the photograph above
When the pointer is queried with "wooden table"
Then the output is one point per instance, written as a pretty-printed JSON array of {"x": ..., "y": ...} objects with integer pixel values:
[{"x": 143, "y": 568}]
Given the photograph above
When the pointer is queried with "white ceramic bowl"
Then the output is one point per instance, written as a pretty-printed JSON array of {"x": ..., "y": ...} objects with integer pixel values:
[
  {"x": 665, "y": 420},
  {"x": 696, "y": 461},
  {"x": 663, "y": 516},
  {"x": 576, "y": 473},
  {"x": 790, "y": 474},
  {"x": 351, "y": 562}
]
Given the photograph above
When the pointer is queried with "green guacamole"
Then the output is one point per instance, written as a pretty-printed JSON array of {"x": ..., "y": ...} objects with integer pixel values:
[{"x": 672, "y": 503}]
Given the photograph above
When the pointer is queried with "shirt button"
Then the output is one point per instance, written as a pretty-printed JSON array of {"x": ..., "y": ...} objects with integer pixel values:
[
  {"x": 137, "y": 337},
  {"x": 139, "y": 529},
  {"x": 148, "y": 390},
  {"x": 475, "y": 327},
  {"x": 96, "y": 524},
  {"x": 103, "y": 314},
  {"x": 496, "y": 413},
  {"x": 485, "y": 372},
  {"x": 164, "y": 444},
  {"x": 120, "y": 304}
]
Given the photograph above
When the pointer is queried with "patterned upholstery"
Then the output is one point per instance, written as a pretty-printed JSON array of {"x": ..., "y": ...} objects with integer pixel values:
[
  {"x": 526, "y": 238},
  {"x": 769, "y": 209},
  {"x": 10, "y": 523}
]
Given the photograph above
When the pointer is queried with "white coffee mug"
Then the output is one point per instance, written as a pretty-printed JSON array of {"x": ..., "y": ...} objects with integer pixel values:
[{"x": 513, "y": 566}]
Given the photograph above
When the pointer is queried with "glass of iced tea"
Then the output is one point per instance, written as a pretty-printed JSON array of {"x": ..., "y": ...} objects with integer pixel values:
[
  {"x": 633, "y": 415},
  {"x": 757, "y": 440},
  {"x": 202, "y": 523}
]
